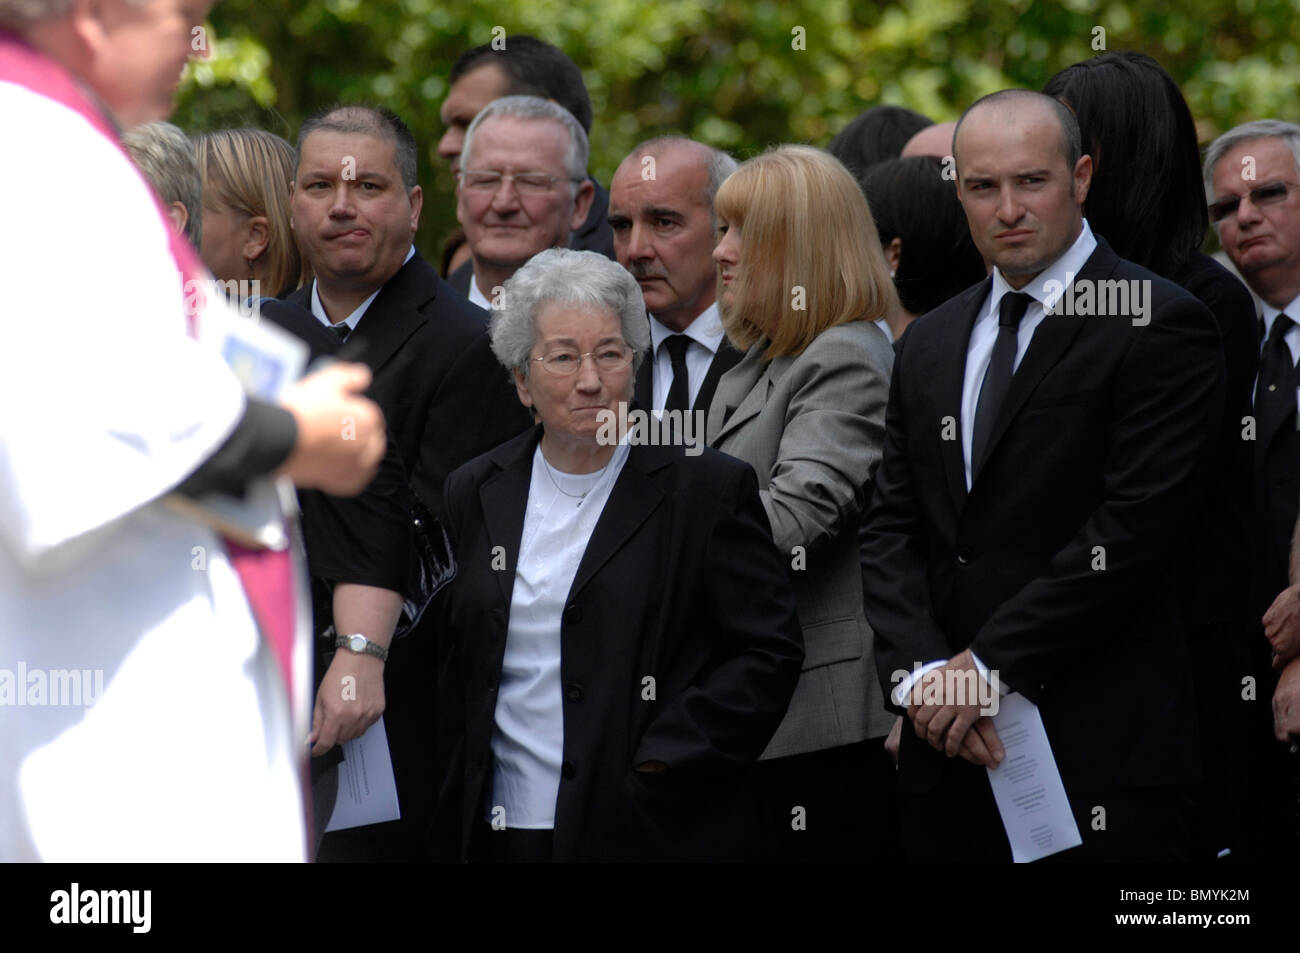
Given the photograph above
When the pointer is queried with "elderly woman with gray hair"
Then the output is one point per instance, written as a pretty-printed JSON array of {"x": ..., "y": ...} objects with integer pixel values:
[{"x": 621, "y": 640}]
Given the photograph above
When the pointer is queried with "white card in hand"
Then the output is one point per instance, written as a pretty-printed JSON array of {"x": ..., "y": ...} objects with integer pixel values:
[
  {"x": 265, "y": 358},
  {"x": 367, "y": 789},
  {"x": 1027, "y": 785}
]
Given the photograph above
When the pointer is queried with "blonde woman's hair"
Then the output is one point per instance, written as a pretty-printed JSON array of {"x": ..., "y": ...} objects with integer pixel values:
[
  {"x": 807, "y": 238},
  {"x": 249, "y": 170}
]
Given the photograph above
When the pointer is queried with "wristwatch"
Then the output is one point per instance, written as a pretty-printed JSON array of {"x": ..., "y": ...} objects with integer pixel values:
[{"x": 361, "y": 645}]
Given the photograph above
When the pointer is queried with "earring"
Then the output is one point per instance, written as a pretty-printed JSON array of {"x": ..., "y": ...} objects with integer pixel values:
[{"x": 251, "y": 275}]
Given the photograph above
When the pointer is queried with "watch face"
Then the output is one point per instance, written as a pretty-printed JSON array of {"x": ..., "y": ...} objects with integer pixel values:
[{"x": 357, "y": 643}]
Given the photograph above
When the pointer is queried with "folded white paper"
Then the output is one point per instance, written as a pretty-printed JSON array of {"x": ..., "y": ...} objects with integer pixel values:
[
  {"x": 367, "y": 789},
  {"x": 1027, "y": 785}
]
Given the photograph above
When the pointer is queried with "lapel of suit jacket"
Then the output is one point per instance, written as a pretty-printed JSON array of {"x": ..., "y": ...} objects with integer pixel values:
[
  {"x": 1050, "y": 340},
  {"x": 393, "y": 316},
  {"x": 950, "y": 377},
  {"x": 724, "y": 359},
  {"x": 634, "y": 497},
  {"x": 504, "y": 498},
  {"x": 741, "y": 393}
]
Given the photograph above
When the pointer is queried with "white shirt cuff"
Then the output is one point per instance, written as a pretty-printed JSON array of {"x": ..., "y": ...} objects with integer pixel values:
[
  {"x": 904, "y": 688},
  {"x": 899, "y": 695}
]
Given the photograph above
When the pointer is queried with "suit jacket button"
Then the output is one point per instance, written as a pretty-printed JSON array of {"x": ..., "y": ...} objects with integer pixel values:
[
  {"x": 573, "y": 615},
  {"x": 574, "y": 692},
  {"x": 963, "y": 557},
  {"x": 568, "y": 770}
]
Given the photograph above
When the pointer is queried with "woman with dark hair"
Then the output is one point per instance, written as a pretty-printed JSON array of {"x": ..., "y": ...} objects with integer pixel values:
[
  {"x": 1148, "y": 200},
  {"x": 924, "y": 235},
  {"x": 876, "y": 135}
]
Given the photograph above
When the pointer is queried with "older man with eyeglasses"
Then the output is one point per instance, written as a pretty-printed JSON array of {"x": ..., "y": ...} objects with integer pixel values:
[
  {"x": 622, "y": 636},
  {"x": 1252, "y": 178},
  {"x": 522, "y": 187}
]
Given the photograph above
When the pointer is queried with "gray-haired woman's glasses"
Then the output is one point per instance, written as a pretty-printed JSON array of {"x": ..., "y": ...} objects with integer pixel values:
[{"x": 564, "y": 362}]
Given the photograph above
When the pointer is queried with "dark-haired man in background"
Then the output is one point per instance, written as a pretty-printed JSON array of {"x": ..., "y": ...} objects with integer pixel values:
[{"x": 524, "y": 66}]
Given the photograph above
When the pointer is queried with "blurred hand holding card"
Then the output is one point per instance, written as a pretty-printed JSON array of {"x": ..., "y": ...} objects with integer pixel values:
[{"x": 267, "y": 361}]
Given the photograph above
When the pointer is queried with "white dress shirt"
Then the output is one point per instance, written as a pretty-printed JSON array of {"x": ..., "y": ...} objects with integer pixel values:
[
  {"x": 318, "y": 309},
  {"x": 706, "y": 336},
  {"x": 979, "y": 352},
  {"x": 528, "y": 732},
  {"x": 1292, "y": 337},
  {"x": 476, "y": 296}
]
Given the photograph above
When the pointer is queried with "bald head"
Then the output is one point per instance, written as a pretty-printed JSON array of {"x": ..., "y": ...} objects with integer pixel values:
[
  {"x": 680, "y": 152},
  {"x": 661, "y": 213},
  {"x": 1021, "y": 181},
  {"x": 1012, "y": 106},
  {"x": 931, "y": 141}
]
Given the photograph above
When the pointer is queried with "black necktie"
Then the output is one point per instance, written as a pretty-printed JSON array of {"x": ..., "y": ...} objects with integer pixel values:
[
  {"x": 341, "y": 331},
  {"x": 679, "y": 394},
  {"x": 1275, "y": 390},
  {"x": 997, "y": 379}
]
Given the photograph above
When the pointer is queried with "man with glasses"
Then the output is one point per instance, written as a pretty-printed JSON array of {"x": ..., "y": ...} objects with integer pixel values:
[
  {"x": 520, "y": 65},
  {"x": 1252, "y": 176},
  {"x": 522, "y": 188}
]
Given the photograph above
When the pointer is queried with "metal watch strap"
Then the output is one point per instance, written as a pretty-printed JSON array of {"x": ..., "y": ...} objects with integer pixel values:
[{"x": 367, "y": 647}]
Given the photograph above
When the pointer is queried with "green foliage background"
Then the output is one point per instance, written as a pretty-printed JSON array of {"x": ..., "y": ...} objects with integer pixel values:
[{"x": 727, "y": 72}]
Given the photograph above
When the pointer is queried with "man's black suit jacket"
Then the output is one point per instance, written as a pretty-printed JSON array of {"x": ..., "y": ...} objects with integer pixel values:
[
  {"x": 1097, "y": 454},
  {"x": 679, "y": 583},
  {"x": 365, "y": 539},
  {"x": 724, "y": 359},
  {"x": 594, "y": 235},
  {"x": 445, "y": 396}
]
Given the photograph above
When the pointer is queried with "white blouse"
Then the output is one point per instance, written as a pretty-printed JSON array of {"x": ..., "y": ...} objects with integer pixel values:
[{"x": 528, "y": 735}]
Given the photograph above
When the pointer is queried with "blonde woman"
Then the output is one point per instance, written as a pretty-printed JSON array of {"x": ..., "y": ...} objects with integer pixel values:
[
  {"x": 801, "y": 279},
  {"x": 246, "y": 231}
]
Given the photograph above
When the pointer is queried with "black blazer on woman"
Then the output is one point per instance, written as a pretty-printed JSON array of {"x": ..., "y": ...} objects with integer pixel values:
[{"x": 680, "y": 584}]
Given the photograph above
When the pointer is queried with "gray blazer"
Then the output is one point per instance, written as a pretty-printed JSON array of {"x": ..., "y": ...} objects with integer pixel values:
[{"x": 812, "y": 427}]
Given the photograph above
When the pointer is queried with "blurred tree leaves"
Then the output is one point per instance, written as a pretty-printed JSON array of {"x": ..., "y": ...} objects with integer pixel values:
[{"x": 727, "y": 72}]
